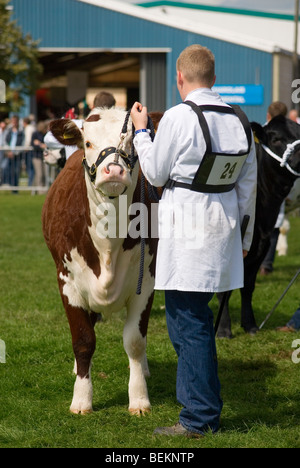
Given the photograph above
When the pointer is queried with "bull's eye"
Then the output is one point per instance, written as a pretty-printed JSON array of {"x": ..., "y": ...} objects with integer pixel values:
[{"x": 88, "y": 144}]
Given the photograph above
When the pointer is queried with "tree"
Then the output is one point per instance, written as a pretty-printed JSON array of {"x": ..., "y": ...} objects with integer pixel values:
[{"x": 20, "y": 69}]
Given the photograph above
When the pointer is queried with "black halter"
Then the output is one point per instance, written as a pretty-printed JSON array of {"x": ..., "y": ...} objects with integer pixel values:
[
  {"x": 130, "y": 160},
  {"x": 92, "y": 170}
]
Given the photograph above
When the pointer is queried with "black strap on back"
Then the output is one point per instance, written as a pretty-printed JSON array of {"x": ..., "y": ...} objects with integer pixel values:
[
  {"x": 234, "y": 110},
  {"x": 199, "y": 182},
  {"x": 245, "y": 122}
]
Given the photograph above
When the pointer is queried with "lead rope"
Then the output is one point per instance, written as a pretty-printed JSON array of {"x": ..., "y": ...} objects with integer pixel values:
[{"x": 156, "y": 198}]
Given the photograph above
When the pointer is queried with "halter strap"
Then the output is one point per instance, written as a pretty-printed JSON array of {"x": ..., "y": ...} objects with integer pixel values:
[
  {"x": 92, "y": 170},
  {"x": 290, "y": 148}
]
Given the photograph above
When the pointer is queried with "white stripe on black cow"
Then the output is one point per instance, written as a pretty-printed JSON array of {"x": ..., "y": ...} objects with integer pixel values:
[{"x": 98, "y": 274}]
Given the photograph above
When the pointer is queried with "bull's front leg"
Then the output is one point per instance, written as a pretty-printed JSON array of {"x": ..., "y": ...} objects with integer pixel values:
[
  {"x": 134, "y": 338},
  {"x": 84, "y": 343}
]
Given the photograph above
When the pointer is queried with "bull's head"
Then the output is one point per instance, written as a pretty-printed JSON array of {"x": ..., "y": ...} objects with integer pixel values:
[
  {"x": 281, "y": 139},
  {"x": 106, "y": 149}
]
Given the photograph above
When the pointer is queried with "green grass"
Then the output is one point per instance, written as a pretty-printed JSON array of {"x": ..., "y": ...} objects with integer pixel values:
[{"x": 260, "y": 383}]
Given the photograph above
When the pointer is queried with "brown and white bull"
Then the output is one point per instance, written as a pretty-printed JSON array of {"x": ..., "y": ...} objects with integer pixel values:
[{"x": 97, "y": 268}]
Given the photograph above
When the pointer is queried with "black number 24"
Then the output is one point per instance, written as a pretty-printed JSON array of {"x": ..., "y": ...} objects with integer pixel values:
[{"x": 229, "y": 171}]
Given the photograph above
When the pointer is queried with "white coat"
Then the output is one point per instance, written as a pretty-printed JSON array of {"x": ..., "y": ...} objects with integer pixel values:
[
  {"x": 52, "y": 143},
  {"x": 200, "y": 247}
]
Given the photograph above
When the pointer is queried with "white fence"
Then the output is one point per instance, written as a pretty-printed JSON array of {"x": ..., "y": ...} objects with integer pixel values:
[{"x": 22, "y": 169}]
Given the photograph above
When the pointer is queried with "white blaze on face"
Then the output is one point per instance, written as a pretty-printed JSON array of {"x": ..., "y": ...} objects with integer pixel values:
[{"x": 102, "y": 131}]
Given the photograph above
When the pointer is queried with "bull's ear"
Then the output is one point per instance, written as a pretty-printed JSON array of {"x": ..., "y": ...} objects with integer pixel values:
[
  {"x": 156, "y": 117},
  {"x": 67, "y": 132},
  {"x": 259, "y": 132}
]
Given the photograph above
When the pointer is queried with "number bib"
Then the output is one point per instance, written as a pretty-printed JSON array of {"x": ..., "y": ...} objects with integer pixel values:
[{"x": 218, "y": 172}]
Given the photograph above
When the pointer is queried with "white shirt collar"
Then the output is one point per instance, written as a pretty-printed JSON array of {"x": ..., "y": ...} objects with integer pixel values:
[{"x": 205, "y": 94}]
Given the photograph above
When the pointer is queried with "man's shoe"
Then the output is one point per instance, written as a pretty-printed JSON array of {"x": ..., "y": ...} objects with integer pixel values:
[
  {"x": 286, "y": 329},
  {"x": 177, "y": 430}
]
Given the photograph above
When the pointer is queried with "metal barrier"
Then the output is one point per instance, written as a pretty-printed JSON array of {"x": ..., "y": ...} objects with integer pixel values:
[{"x": 20, "y": 170}]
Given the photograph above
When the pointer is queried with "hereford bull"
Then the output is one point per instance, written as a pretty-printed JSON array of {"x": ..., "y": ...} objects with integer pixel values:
[
  {"x": 278, "y": 157},
  {"x": 97, "y": 269}
]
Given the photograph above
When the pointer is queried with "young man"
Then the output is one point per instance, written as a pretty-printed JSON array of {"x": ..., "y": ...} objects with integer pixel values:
[{"x": 208, "y": 165}]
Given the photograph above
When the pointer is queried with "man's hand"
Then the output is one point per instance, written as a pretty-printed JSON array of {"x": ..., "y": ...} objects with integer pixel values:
[
  {"x": 139, "y": 115},
  {"x": 245, "y": 253}
]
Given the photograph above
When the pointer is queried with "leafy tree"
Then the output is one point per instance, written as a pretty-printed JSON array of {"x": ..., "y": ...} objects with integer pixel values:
[{"x": 19, "y": 65}]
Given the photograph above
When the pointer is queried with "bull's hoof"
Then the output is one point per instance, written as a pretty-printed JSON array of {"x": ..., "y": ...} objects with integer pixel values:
[
  {"x": 139, "y": 411},
  {"x": 225, "y": 333},
  {"x": 252, "y": 331},
  {"x": 81, "y": 411}
]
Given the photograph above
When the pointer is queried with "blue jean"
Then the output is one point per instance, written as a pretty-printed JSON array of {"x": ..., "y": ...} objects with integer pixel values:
[
  {"x": 270, "y": 257},
  {"x": 191, "y": 330},
  {"x": 295, "y": 320}
]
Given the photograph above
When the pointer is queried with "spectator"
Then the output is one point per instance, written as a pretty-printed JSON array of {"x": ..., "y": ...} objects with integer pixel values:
[
  {"x": 268, "y": 262},
  {"x": 3, "y": 160},
  {"x": 293, "y": 115},
  {"x": 293, "y": 324},
  {"x": 276, "y": 108},
  {"x": 29, "y": 128},
  {"x": 37, "y": 141},
  {"x": 102, "y": 99},
  {"x": 15, "y": 137}
]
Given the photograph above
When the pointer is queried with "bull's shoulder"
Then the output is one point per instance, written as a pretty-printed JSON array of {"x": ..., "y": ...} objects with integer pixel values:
[
  {"x": 70, "y": 179},
  {"x": 66, "y": 212},
  {"x": 74, "y": 162}
]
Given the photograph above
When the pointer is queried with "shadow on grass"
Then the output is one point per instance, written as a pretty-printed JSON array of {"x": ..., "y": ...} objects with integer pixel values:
[
  {"x": 249, "y": 398},
  {"x": 161, "y": 387},
  {"x": 245, "y": 386}
]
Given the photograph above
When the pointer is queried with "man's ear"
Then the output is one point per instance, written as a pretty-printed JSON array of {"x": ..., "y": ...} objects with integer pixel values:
[
  {"x": 179, "y": 79},
  {"x": 67, "y": 132}
]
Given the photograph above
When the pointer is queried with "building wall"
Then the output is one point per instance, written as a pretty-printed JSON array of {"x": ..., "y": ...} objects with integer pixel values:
[
  {"x": 283, "y": 77},
  {"x": 64, "y": 24}
]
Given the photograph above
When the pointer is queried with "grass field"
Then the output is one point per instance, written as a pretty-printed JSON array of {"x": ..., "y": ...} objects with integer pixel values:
[{"x": 260, "y": 382}]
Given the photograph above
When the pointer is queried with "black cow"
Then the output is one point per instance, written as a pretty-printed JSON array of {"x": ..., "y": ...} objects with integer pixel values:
[{"x": 276, "y": 177}]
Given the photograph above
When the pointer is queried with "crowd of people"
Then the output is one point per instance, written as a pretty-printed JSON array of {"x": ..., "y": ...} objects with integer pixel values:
[
  {"x": 21, "y": 148},
  {"x": 23, "y": 141}
]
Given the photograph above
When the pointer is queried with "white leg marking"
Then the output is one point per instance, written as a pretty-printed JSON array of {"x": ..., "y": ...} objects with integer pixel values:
[
  {"x": 135, "y": 347},
  {"x": 83, "y": 396},
  {"x": 137, "y": 389}
]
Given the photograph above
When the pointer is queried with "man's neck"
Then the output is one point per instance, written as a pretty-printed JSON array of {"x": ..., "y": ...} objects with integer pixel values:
[{"x": 188, "y": 89}]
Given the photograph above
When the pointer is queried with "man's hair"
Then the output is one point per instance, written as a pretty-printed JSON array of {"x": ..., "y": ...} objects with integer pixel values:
[
  {"x": 197, "y": 64},
  {"x": 277, "y": 108},
  {"x": 104, "y": 99}
]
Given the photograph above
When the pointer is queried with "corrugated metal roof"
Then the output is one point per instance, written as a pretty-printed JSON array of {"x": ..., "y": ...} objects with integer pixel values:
[
  {"x": 98, "y": 25},
  {"x": 262, "y": 32},
  {"x": 265, "y": 33}
]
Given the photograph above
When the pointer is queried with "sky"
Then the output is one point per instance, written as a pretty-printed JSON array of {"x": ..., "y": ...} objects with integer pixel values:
[{"x": 274, "y": 6}]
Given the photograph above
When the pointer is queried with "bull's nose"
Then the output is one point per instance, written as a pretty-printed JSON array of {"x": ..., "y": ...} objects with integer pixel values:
[{"x": 114, "y": 169}]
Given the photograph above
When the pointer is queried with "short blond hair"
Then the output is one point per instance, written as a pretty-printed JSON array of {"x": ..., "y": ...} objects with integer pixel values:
[{"x": 197, "y": 64}]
